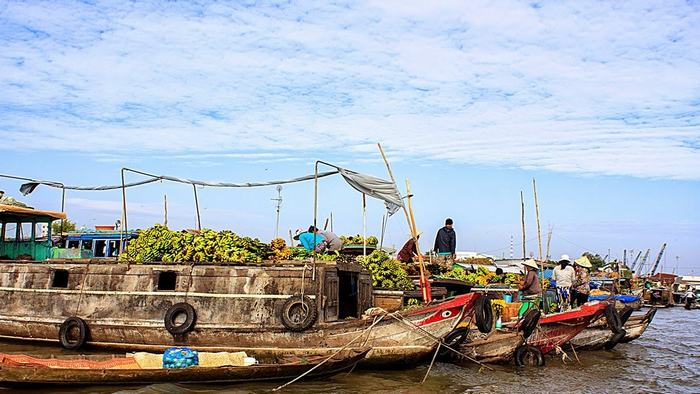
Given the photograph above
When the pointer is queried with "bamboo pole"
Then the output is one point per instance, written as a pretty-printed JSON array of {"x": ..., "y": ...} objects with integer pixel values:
[
  {"x": 165, "y": 210},
  {"x": 522, "y": 221},
  {"x": 364, "y": 225},
  {"x": 414, "y": 233},
  {"x": 537, "y": 213},
  {"x": 539, "y": 243},
  {"x": 427, "y": 297},
  {"x": 196, "y": 204}
]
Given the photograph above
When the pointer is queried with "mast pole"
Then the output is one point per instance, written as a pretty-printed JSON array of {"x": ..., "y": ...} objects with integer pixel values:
[
  {"x": 522, "y": 221},
  {"x": 425, "y": 285}
]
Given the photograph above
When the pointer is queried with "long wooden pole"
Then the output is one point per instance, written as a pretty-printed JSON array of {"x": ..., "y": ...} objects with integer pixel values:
[
  {"x": 539, "y": 243},
  {"x": 537, "y": 213},
  {"x": 522, "y": 221},
  {"x": 425, "y": 285},
  {"x": 427, "y": 296},
  {"x": 165, "y": 210}
]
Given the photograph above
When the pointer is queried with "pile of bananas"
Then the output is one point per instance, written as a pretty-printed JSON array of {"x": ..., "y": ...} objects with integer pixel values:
[
  {"x": 358, "y": 240},
  {"x": 386, "y": 272},
  {"x": 279, "y": 250},
  {"x": 160, "y": 244}
]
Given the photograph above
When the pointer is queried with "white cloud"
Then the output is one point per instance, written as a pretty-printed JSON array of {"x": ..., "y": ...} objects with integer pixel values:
[{"x": 578, "y": 87}]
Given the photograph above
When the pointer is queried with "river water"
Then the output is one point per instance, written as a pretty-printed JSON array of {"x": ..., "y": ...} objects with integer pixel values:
[{"x": 666, "y": 359}]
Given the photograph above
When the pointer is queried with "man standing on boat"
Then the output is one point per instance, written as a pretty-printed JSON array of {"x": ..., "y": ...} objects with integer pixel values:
[
  {"x": 564, "y": 277},
  {"x": 446, "y": 241}
]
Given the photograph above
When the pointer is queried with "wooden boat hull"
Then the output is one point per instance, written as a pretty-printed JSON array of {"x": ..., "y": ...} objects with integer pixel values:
[
  {"x": 23, "y": 376},
  {"x": 238, "y": 308},
  {"x": 557, "y": 329},
  {"x": 597, "y": 335},
  {"x": 394, "y": 341},
  {"x": 497, "y": 346}
]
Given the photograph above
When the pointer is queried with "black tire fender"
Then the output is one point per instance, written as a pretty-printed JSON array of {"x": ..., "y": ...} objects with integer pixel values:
[
  {"x": 453, "y": 340},
  {"x": 484, "y": 314},
  {"x": 67, "y": 327},
  {"x": 178, "y": 309},
  {"x": 613, "y": 318},
  {"x": 298, "y": 313},
  {"x": 625, "y": 315},
  {"x": 615, "y": 339},
  {"x": 529, "y": 322},
  {"x": 528, "y": 355}
]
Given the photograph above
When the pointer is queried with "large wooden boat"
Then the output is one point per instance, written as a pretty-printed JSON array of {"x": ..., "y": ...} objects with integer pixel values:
[
  {"x": 273, "y": 308},
  {"x": 27, "y": 371},
  {"x": 598, "y": 336},
  {"x": 226, "y": 308}
]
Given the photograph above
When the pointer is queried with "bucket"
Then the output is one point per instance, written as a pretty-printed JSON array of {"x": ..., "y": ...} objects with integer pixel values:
[
  {"x": 508, "y": 298},
  {"x": 524, "y": 307}
]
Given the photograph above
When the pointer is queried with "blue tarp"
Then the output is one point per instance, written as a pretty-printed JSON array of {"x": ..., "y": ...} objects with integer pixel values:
[{"x": 620, "y": 297}]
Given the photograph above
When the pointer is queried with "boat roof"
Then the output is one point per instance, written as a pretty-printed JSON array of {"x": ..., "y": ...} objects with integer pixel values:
[{"x": 15, "y": 212}]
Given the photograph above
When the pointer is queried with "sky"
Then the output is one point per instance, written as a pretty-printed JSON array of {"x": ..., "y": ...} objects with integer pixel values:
[{"x": 599, "y": 102}]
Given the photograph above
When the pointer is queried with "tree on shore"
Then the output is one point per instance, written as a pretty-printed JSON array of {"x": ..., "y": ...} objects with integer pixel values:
[{"x": 62, "y": 226}]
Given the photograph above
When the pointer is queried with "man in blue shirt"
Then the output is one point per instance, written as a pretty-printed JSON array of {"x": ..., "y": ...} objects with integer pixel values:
[{"x": 310, "y": 240}]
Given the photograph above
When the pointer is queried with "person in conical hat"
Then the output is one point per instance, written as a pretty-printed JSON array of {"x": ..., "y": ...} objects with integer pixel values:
[
  {"x": 581, "y": 288},
  {"x": 531, "y": 284},
  {"x": 564, "y": 277}
]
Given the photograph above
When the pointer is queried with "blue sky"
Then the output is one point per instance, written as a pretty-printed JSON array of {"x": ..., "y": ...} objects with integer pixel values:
[{"x": 599, "y": 101}]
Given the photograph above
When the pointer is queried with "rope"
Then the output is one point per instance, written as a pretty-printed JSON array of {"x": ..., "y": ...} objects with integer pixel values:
[
  {"x": 436, "y": 340},
  {"x": 431, "y": 363},
  {"x": 155, "y": 178},
  {"x": 329, "y": 357}
]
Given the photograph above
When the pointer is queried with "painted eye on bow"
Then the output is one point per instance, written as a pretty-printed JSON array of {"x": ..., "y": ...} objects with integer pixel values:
[{"x": 446, "y": 314}]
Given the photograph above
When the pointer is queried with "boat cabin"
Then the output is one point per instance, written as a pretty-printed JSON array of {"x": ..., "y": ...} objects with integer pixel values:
[
  {"x": 26, "y": 232},
  {"x": 103, "y": 242}
]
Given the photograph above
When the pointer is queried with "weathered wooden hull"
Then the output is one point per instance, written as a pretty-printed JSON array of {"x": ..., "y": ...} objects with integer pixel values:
[
  {"x": 497, "y": 346},
  {"x": 597, "y": 335},
  {"x": 13, "y": 374},
  {"x": 238, "y": 309}
]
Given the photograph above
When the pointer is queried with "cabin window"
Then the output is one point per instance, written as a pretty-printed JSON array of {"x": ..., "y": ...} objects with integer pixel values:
[
  {"x": 113, "y": 248},
  {"x": 100, "y": 248},
  {"x": 60, "y": 279},
  {"x": 167, "y": 280},
  {"x": 41, "y": 232},
  {"x": 87, "y": 245},
  {"x": 9, "y": 232},
  {"x": 73, "y": 244},
  {"x": 25, "y": 232},
  {"x": 347, "y": 292}
]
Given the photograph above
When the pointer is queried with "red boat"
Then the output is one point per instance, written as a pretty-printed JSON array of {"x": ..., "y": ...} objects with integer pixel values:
[{"x": 553, "y": 331}]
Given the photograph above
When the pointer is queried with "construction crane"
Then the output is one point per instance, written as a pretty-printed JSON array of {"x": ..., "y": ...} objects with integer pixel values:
[
  {"x": 644, "y": 261},
  {"x": 658, "y": 259},
  {"x": 635, "y": 261}
]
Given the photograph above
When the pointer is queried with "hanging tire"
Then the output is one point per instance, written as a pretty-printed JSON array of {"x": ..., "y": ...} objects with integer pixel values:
[
  {"x": 453, "y": 340},
  {"x": 625, "y": 315},
  {"x": 527, "y": 355},
  {"x": 484, "y": 314},
  {"x": 615, "y": 339},
  {"x": 171, "y": 317},
  {"x": 73, "y": 333},
  {"x": 299, "y": 313},
  {"x": 529, "y": 322},
  {"x": 613, "y": 318}
]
